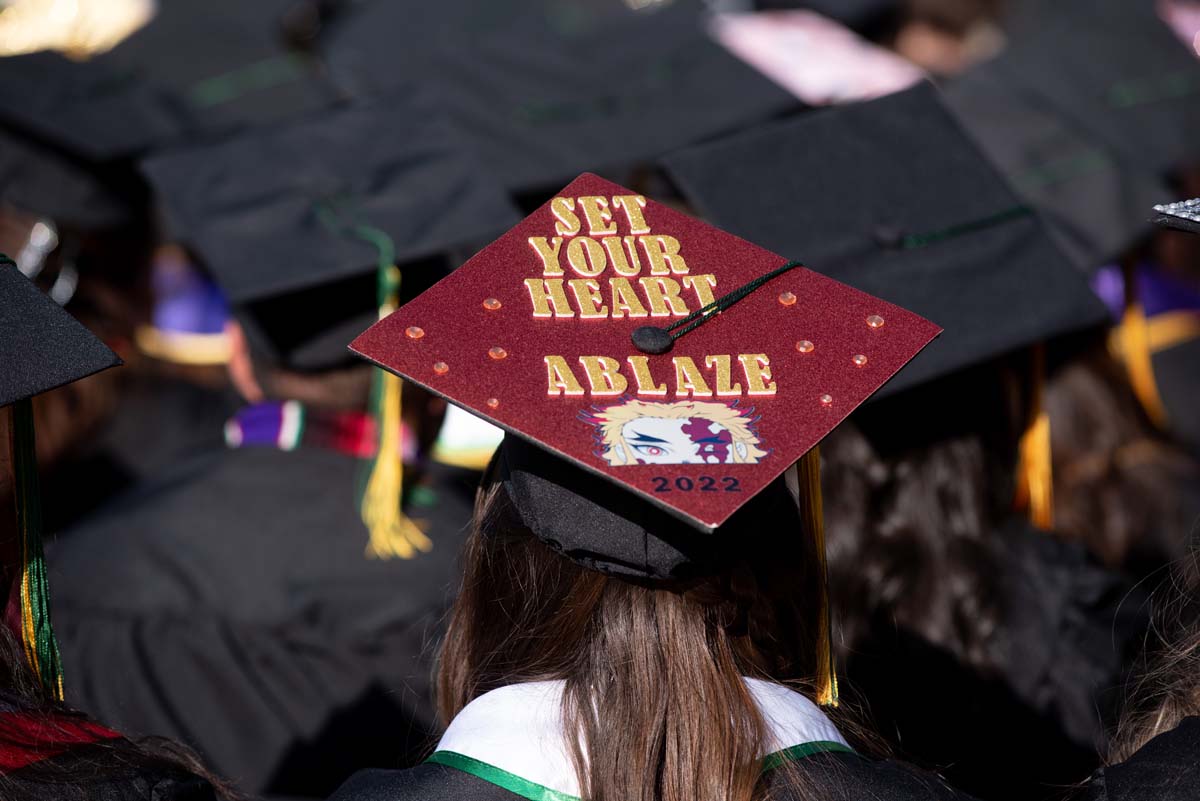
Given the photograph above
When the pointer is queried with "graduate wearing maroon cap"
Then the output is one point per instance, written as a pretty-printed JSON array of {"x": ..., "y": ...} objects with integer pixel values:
[{"x": 664, "y": 386}]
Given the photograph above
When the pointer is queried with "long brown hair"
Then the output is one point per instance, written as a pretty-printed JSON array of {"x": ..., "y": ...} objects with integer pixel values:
[
  {"x": 676, "y": 720},
  {"x": 1166, "y": 685},
  {"x": 1119, "y": 486}
]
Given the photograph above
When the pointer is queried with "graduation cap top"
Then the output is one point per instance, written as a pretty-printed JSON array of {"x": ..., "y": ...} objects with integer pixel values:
[
  {"x": 42, "y": 347},
  {"x": 295, "y": 222},
  {"x": 537, "y": 334},
  {"x": 195, "y": 69},
  {"x": 43, "y": 181},
  {"x": 507, "y": 73},
  {"x": 1092, "y": 200},
  {"x": 893, "y": 198},
  {"x": 1115, "y": 72}
]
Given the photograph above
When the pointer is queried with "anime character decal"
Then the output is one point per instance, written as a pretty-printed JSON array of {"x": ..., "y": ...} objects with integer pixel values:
[{"x": 686, "y": 432}]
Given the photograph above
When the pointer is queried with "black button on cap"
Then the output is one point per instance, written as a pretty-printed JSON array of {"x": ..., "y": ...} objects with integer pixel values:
[
  {"x": 651, "y": 339},
  {"x": 889, "y": 236}
]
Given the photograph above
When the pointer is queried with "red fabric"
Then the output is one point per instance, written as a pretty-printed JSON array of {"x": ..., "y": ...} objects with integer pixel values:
[
  {"x": 30, "y": 738},
  {"x": 459, "y": 331}
]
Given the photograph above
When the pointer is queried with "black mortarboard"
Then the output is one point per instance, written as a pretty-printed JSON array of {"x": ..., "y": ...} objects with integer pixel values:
[
  {"x": 295, "y": 222},
  {"x": 657, "y": 377},
  {"x": 892, "y": 197},
  {"x": 227, "y": 63},
  {"x": 41, "y": 348},
  {"x": 86, "y": 109},
  {"x": 49, "y": 183},
  {"x": 1115, "y": 72},
  {"x": 1092, "y": 201},
  {"x": 194, "y": 69},
  {"x": 546, "y": 90}
]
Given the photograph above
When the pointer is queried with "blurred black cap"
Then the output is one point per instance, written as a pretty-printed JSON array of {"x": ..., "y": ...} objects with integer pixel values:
[
  {"x": 1116, "y": 73},
  {"x": 41, "y": 346},
  {"x": 546, "y": 90},
  {"x": 892, "y": 197},
  {"x": 195, "y": 69},
  {"x": 85, "y": 108},
  {"x": 49, "y": 183},
  {"x": 294, "y": 223},
  {"x": 1093, "y": 200}
]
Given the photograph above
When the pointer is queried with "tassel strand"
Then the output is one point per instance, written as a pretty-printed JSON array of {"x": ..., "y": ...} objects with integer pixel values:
[{"x": 809, "y": 475}]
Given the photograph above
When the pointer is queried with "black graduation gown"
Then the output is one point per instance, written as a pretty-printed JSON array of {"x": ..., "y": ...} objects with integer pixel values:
[
  {"x": 1069, "y": 630},
  {"x": 840, "y": 775},
  {"x": 1165, "y": 769},
  {"x": 229, "y": 605},
  {"x": 160, "y": 422}
]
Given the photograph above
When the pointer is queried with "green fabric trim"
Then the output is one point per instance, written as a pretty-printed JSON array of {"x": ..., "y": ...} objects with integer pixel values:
[
  {"x": 536, "y": 792},
  {"x": 301, "y": 424},
  {"x": 37, "y": 634},
  {"x": 501, "y": 778},
  {"x": 258, "y": 76},
  {"x": 1057, "y": 171},
  {"x": 796, "y": 752},
  {"x": 1172, "y": 86},
  {"x": 913, "y": 241}
]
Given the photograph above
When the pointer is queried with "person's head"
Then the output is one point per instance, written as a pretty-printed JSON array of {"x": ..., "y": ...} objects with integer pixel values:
[
  {"x": 911, "y": 513},
  {"x": 648, "y": 553},
  {"x": 947, "y": 36},
  {"x": 666, "y": 657},
  {"x": 256, "y": 378},
  {"x": 1117, "y": 481}
]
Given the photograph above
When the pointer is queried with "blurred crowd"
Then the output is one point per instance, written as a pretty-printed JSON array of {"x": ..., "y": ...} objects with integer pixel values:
[{"x": 226, "y": 193}]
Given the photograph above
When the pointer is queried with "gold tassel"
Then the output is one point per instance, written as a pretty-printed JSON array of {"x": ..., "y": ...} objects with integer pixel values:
[
  {"x": 392, "y": 533},
  {"x": 1035, "y": 471},
  {"x": 1133, "y": 334},
  {"x": 808, "y": 471},
  {"x": 1169, "y": 329}
]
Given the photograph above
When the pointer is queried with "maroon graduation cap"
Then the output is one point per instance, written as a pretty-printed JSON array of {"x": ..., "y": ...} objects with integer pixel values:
[{"x": 682, "y": 363}]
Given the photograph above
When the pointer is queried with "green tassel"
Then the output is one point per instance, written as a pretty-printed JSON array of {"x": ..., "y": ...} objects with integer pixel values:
[
  {"x": 37, "y": 634},
  {"x": 380, "y": 492}
]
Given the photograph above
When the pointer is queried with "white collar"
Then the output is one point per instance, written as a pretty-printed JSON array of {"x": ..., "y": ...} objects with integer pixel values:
[{"x": 518, "y": 730}]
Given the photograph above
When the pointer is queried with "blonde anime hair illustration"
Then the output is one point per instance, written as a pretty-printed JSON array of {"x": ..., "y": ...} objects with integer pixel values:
[{"x": 685, "y": 432}]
